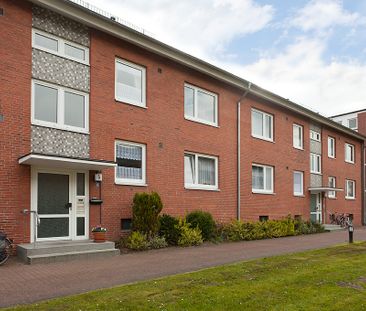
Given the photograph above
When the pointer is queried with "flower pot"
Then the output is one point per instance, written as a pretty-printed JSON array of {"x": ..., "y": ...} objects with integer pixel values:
[{"x": 99, "y": 237}]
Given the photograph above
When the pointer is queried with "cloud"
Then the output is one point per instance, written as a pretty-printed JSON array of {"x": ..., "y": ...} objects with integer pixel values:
[
  {"x": 322, "y": 14},
  {"x": 300, "y": 74},
  {"x": 198, "y": 27}
]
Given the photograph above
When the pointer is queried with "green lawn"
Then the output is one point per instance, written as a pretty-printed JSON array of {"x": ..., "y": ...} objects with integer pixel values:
[{"x": 328, "y": 279}]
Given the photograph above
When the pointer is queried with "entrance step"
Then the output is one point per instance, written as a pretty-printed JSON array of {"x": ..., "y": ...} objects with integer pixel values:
[
  {"x": 46, "y": 252},
  {"x": 329, "y": 227}
]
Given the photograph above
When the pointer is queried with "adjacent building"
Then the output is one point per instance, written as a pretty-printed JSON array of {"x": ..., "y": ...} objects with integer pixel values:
[
  {"x": 92, "y": 112},
  {"x": 355, "y": 120}
]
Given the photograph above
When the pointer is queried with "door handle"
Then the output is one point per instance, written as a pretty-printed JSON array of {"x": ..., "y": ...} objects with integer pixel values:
[{"x": 68, "y": 205}]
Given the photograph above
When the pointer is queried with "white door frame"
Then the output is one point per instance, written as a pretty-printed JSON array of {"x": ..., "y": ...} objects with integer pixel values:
[
  {"x": 319, "y": 207},
  {"x": 72, "y": 198}
]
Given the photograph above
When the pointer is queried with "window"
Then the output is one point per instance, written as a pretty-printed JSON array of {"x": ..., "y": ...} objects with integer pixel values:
[
  {"x": 349, "y": 153},
  {"x": 200, "y": 171},
  {"x": 126, "y": 224},
  {"x": 331, "y": 147},
  {"x": 298, "y": 183},
  {"x": 352, "y": 123},
  {"x": 200, "y": 105},
  {"x": 350, "y": 189},
  {"x": 263, "y": 218},
  {"x": 315, "y": 135},
  {"x": 332, "y": 184},
  {"x": 59, "y": 107},
  {"x": 60, "y": 47},
  {"x": 262, "y": 178},
  {"x": 130, "y": 85},
  {"x": 297, "y": 136},
  {"x": 131, "y": 163},
  {"x": 315, "y": 163},
  {"x": 262, "y": 125}
]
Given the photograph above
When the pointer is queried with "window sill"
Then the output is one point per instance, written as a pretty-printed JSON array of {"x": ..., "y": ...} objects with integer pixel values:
[
  {"x": 349, "y": 162},
  {"x": 201, "y": 188},
  {"x": 332, "y": 198},
  {"x": 123, "y": 183},
  {"x": 299, "y": 195},
  {"x": 350, "y": 199},
  {"x": 298, "y": 148},
  {"x": 316, "y": 173},
  {"x": 263, "y": 192},
  {"x": 201, "y": 122},
  {"x": 332, "y": 158},
  {"x": 263, "y": 138},
  {"x": 121, "y": 101}
]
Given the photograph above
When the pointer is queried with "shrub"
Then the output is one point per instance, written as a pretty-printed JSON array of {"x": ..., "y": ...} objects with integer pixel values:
[
  {"x": 137, "y": 241},
  {"x": 168, "y": 229},
  {"x": 188, "y": 236},
  {"x": 307, "y": 227},
  {"x": 146, "y": 208},
  {"x": 203, "y": 221},
  {"x": 238, "y": 230},
  {"x": 157, "y": 242}
]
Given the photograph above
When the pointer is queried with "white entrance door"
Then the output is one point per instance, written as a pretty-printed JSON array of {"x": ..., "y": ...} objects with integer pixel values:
[
  {"x": 59, "y": 198},
  {"x": 316, "y": 207}
]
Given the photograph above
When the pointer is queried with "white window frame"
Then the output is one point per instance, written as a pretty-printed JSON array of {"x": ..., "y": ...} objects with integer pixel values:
[
  {"x": 264, "y": 191},
  {"x": 331, "y": 153},
  {"x": 317, "y": 156},
  {"x": 196, "y": 185},
  {"x": 127, "y": 181},
  {"x": 298, "y": 126},
  {"x": 352, "y": 161},
  {"x": 60, "y": 124},
  {"x": 264, "y": 124},
  {"x": 195, "y": 118},
  {"x": 350, "y": 181},
  {"x": 302, "y": 183},
  {"x": 332, "y": 194},
  {"x": 143, "y": 83},
  {"x": 314, "y": 135},
  {"x": 352, "y": 128},
  {"x": 61, "y": 46}
]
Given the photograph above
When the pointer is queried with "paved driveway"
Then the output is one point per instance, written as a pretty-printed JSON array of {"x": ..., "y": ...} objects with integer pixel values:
[{"x": 22, "y": 284}]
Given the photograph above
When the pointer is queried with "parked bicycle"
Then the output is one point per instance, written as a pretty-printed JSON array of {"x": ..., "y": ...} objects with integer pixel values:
[
  {"x": 342, "y": 220},
  {"x": 6, "y": 246}
]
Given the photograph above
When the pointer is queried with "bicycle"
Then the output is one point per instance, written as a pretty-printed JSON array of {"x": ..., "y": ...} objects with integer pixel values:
[
  {"x": 339, "y": 219},
  {"x": 6, "y": 246}
]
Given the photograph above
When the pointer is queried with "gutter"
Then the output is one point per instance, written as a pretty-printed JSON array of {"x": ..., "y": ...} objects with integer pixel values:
[{"x": 240, "y": 101}]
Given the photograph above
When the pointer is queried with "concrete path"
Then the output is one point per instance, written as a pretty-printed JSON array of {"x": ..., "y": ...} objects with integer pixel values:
[{"x": 21, "y": 284}]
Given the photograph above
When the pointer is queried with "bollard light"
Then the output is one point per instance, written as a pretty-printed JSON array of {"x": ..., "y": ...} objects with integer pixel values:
[{"x": 350, "y": 233}]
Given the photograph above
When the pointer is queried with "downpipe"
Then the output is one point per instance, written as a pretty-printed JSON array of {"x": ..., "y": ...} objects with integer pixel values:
[{"x": 240, "y": 101}]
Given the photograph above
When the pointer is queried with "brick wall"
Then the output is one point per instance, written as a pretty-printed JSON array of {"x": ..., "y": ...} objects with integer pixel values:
[
  {"x": 15, "y": 68},
  {"x": 163, "y": 123}
]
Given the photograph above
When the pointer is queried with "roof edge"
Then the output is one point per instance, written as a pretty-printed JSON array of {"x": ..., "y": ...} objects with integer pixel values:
[{"x": 97, "y": 21}]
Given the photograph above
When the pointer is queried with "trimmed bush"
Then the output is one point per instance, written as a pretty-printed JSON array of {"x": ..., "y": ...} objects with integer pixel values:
[
  {"x": 238, "y": 231},
  {"x": 137, "y": 241},
  {"x": 168, "y": 229},
  {"x": 145, "y": 213},
  {"x": 203, "y": 221},
  {"x": 157, "y": 242},
  {"x": 188, "y": 236}
]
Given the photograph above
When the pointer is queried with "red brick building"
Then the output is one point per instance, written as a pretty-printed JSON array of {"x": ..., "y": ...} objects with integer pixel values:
[{"x": 83, "y": 94}]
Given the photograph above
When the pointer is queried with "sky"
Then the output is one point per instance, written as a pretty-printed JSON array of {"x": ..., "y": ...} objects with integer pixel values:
[{"x": 312, "y": 52}]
